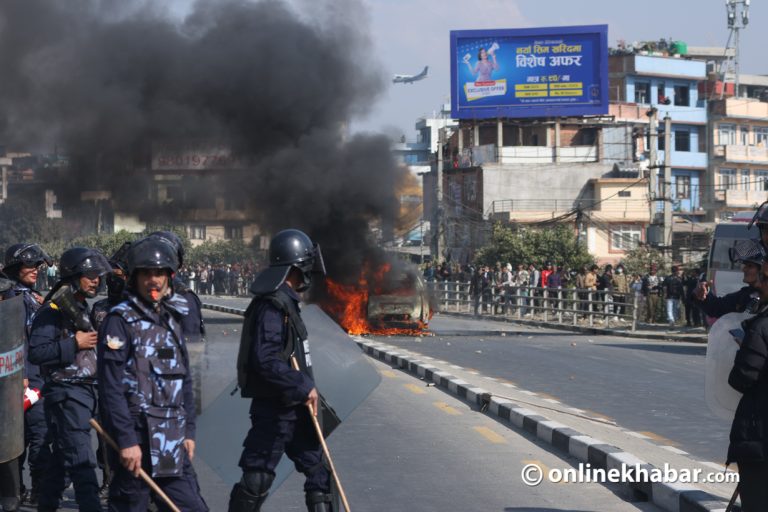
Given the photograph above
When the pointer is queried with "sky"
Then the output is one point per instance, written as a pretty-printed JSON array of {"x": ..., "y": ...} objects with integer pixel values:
[{"x": 407, "y": 35}]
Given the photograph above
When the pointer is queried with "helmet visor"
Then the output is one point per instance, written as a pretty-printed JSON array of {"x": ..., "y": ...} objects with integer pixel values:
[{"x": 32, "y": 256}]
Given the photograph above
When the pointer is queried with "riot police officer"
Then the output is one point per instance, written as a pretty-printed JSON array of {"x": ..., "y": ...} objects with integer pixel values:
[
  {"x": 750, "y": 254},
  {"x": 116, "y": 280},
  {"x": 145, "y": 384},
  {"x": 63, "y": 343},
  {"x": 273, "y": 331},
  {"x": 192, "y": 324},
  {"x": 9, "y": 470},
  {"x": 22, "y": 262}
]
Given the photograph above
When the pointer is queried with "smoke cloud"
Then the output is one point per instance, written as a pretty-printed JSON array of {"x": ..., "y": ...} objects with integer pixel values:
[{"x": 103, "y": 80}]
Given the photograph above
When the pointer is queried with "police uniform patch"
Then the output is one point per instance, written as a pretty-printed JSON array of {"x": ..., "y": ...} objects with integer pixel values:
[{"x": 114, "y": 342}]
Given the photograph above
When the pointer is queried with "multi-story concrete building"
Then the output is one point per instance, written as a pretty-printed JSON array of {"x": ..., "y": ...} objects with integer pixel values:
[
  {"x": 670, "y": 84},
  {"x": 738, "y": 156}
]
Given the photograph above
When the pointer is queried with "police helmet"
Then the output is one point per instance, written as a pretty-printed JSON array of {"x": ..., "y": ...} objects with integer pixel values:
[
  {"x": 31, "y": 255},
  {"x": 118, "y": 259},
  {"x": 747, "y": 251},
  {"x": 289, "y": 249},
  {"x": 152, "y": 252},
  {"x": 79, "y": 261},
  {"x": 174, "y": 240},
  {"x": 761, "y": 216}
]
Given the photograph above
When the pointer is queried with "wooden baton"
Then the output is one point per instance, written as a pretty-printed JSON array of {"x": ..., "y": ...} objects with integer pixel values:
[
  {"x": 142, "y": 474},
  {"x": 327, "y": 452}
]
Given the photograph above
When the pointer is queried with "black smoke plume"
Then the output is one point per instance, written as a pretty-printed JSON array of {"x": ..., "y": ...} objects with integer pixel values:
[{"x": 103, "y": 80}]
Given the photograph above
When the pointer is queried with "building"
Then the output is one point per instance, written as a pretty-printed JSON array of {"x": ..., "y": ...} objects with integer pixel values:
[
  {"x": 738, "y": 156},
  {"x": 670, "y": 83}
]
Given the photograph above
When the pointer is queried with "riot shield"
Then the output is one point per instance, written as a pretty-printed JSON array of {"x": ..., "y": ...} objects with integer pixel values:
[
  {"x": 11, "y": 378},
  {"x": 722, "y": 344},
  {"x": 343, "y": 376}
]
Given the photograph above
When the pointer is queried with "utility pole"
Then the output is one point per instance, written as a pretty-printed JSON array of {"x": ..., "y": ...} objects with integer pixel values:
[
  {"x": 667, "y": 186},
  {"x": 738, "y": 18},
  {"x": 653, "y": 135},
  {"x": 437, "y": 242}
]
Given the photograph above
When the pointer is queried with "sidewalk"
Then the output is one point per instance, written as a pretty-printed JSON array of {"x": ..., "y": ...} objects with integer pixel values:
[{"x": 643, "y": 331}]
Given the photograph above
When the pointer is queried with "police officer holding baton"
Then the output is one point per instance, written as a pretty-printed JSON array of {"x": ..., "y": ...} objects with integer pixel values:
[
  {"x": 273, "y": 333},
  {"x": 145, "y": 385}
]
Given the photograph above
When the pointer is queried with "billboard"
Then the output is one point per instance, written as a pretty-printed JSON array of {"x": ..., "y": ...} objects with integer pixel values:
[{"x": 537, "y": 72}]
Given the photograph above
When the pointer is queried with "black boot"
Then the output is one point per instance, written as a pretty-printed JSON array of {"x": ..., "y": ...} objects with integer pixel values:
[{"x": 318, "y": 501}]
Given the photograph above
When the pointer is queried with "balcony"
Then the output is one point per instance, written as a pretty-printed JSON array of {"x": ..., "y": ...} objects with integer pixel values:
[
  {"x": 742, "y": 154},
  {"x": 741, "y": 198},
  {"x": 511, "y": 155}
]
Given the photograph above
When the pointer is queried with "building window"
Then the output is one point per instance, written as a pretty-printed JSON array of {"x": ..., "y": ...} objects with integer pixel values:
[
  {"x": 197, "y": 232},
  {"x": 744, "y": 135},
  {"x": 702, "y": 132},
  {"x": 682, "y": 187},
  {"x": 625, "y": 193},
  {"x": 745, "y": 181},
  {"x": 761, "y": 135},
  {"x": 661, "y": 94},
  {"x": 682, "y": 140},
  {"x": 761, "y": 180},
  {"x": 625, "y": 237},
  {"x": 642, "y": 92},
  {"x": 682, "y": 96},
  {"x": 728, "y": 179},
  {"x": 233, "y": 232},
  {"x": 727, "y": 134}
]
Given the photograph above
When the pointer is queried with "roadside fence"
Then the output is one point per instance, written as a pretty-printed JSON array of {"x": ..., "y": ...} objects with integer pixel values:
[{"x": 560, "y": 305}]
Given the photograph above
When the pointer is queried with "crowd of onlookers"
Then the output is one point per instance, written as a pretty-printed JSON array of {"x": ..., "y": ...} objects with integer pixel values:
[
  {"x": 498, "y": 289},
  {"x": 208, "y": 279},
  {"x": 219, "y": 278}
]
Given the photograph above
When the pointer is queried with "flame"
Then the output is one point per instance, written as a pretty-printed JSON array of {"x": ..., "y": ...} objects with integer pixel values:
[{"x": 348, "y": 304}]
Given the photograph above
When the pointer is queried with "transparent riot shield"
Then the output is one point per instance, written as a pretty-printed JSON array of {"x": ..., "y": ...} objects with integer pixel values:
[{"x": 343, "y": 375}]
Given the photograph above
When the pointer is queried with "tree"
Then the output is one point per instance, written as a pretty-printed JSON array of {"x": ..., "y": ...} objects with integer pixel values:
[
  {"x": 221, "y": 251},
  {"x": 557, "y": 244},
  {"x": 639, "y": 260}
]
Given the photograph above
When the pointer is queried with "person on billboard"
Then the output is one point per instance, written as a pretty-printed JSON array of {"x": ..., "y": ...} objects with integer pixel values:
[{"x": 484, "y": 67}]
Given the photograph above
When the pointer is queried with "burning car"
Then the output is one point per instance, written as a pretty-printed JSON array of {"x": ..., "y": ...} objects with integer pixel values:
[
  {"x": 402, "y": 302},
  {"x": 383, "y": 301}
]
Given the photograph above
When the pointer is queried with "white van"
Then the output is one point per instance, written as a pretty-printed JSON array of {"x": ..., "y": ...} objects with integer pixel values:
[{"x": 725, "y": 275}]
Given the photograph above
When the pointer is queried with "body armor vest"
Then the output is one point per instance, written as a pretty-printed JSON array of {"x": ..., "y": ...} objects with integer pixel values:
[
  {"x": 83, "y": 369},
  {"x": 294, "y": 343},
  {"x": 154, "y": 377}
]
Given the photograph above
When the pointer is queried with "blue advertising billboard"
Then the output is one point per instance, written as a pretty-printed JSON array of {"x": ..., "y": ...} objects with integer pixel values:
[{"x": 537, "y": 72}]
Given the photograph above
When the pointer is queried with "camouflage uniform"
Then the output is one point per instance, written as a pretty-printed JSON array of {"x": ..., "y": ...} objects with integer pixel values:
[{"x": 146, "y": 386}]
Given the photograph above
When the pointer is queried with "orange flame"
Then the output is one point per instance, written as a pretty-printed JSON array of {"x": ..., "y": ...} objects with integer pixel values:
[{"x": 349, "y": 304}]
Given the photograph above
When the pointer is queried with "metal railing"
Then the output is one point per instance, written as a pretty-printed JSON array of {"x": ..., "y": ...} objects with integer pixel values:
[{"x": 560, "y": 305}]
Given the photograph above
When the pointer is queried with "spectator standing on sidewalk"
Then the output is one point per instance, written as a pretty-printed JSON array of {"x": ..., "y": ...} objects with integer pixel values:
[
  {"x": 620, "y": 290},
  {"x": 692, "y": 313},
  {"x": 534, "y": 280},
  {"x": 204, "y": 281},
  {"x": 590, "y": 285},
  {"x": 476, "y": 289},
  {"x": 605, "y": 285},
  {"x": 554, "y": 285},
  {"x": 673, "y": 292},
  {"x": 651, "y": 290},
  {"x": 523, "y": 280},
  {"x": 429, "y": 273}
]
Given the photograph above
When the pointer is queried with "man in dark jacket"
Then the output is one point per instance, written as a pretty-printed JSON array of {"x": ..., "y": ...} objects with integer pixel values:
[
  {"x": 748, "y": 442},
  {"x": 749, "y": 253},
  {"x": 673, "y": 292},
  {"x": 274, "y": 369}
]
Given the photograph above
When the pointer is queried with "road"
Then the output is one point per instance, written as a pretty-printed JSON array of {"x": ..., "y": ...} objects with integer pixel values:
[
  {"x": 655, "y": 387},
  {"x": 409, "y": 447}
]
